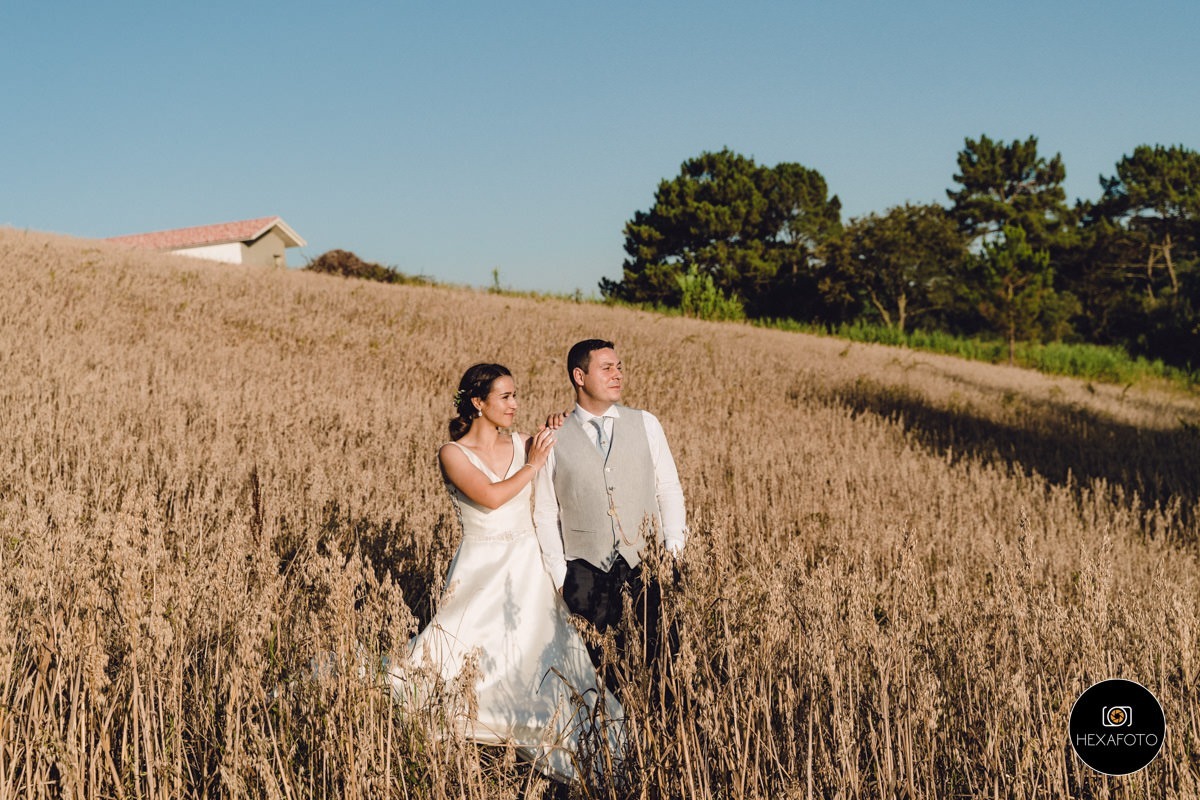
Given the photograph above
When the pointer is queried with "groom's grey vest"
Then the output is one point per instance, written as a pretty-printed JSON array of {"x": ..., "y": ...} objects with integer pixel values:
[{"x": 584, "y": 481}]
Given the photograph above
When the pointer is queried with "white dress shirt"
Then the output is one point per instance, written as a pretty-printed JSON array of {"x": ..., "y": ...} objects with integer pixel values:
[{"x": 669, "y": 493}]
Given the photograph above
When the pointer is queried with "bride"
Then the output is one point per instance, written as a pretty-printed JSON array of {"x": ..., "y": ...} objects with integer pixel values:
[{"x": 535, "y": 684}]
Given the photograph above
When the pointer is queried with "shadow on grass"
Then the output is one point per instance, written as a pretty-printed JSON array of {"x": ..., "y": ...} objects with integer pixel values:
[
  {"x": 416, "y": 564},
  {"x": 1062, "y": 443}
]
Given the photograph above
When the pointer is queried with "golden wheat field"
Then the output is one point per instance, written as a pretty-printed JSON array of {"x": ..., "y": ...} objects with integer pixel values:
[{"x": 903, "y": 568}]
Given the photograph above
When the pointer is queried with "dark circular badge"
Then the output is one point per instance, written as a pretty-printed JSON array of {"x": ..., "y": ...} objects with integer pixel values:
[{"x": 1117, "y": 727}]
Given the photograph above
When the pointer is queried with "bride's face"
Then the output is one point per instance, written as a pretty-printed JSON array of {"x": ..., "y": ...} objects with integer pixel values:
[{"x": 499, "y": 408}]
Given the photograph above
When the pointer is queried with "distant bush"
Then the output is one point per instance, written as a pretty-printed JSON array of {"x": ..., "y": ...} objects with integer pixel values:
[
  {"x": 700, "y": 297},
  {"x": 349, "y": 265},
  {"x": 1111, "y": 364}
]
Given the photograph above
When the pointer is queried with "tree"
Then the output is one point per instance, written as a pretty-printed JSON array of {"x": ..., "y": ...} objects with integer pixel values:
[
  {"x": 1155, "y": 195},
  {"x": 742, "y": 224},
  {"x": 1013, "y": 288},
  {"x": 904, "y": 260},
  {"x": 1009, "y": 185},
  {"x": 1100, "y": 270},
  {"x": 1138, "y": 267}
]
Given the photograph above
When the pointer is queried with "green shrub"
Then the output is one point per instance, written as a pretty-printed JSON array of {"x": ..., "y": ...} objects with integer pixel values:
[
  {"x": 349, "y": 265},
  {"x": 699, "y": 297},
  {"x": 1090, "y": 361}
]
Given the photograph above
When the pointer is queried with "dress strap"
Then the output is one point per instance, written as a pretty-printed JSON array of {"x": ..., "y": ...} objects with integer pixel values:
[
  {"x": 518, "y": 451},
  {"x": 475, "y": 460}
]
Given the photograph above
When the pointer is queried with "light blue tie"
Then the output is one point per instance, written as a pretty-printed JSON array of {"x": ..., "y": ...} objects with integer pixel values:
[{"x": 601, "y": 439}]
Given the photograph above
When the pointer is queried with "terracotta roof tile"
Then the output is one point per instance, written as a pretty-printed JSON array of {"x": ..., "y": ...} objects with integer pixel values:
[{"x": 243, "y": 231}]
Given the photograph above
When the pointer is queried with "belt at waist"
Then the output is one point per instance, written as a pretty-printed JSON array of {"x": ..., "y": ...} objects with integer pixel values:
[{"x": 497, "y": 536}]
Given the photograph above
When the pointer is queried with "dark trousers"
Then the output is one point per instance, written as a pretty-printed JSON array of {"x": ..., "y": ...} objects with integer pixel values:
[{"x": 596, "y": 595}]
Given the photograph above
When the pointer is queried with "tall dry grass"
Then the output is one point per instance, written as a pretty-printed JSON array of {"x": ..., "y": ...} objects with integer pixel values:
[{"x": 903, "y": 568}]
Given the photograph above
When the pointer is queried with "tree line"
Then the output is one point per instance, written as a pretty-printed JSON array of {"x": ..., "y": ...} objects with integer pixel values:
[{"x": 1007, "y": 256}]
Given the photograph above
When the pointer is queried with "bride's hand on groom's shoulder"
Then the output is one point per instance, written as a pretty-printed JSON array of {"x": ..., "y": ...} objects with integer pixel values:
[
  {"x": 540, "y": 445},
  {"x": 555, "y": 420}
]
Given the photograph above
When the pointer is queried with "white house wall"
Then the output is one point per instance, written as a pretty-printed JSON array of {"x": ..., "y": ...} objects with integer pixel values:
[{"x": 230, "y": 252}]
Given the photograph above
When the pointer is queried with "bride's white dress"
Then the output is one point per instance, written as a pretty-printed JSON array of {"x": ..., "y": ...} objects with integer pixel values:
[{"x": 536, "y": 686}]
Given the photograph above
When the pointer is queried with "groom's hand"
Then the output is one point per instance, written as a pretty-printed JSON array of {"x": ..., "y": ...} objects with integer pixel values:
[{"x": 556, "y": 419}]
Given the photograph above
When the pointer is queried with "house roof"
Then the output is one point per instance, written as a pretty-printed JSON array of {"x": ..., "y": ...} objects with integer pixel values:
[{"x": 248, "y": 230}]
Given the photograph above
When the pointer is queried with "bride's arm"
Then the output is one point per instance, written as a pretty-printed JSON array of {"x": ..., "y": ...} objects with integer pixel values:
[{"x": 475, "y": 485}]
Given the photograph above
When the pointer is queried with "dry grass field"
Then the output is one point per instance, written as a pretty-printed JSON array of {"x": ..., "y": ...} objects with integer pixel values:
[{"x": 903, "y": 569}]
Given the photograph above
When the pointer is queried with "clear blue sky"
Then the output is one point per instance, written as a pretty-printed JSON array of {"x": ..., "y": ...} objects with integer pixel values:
[{"x": 449, "y": 139}]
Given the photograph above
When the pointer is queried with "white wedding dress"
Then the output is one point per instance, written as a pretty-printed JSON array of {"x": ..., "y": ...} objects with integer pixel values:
[{"x": 536, "y": 686}]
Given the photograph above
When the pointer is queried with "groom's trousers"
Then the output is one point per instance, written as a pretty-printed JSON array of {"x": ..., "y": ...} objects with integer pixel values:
[{"x": 597, "y": 595}]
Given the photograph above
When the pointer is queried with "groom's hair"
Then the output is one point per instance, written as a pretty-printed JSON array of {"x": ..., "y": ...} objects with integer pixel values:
[{"x": 581, "y": 354}]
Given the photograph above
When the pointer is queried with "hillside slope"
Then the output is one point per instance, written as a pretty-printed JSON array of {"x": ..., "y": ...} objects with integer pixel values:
[{"x": 904, "y": 567}]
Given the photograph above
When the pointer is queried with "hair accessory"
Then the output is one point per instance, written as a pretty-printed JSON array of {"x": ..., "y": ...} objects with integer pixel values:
[{"x": 458, "y": 398}]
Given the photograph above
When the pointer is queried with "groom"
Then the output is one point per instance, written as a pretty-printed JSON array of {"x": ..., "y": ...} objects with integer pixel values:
[{"x": 608, "y": 483}]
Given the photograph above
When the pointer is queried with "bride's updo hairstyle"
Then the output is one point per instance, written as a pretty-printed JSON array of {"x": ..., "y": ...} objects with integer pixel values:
[{"x": 476, "y": 383}]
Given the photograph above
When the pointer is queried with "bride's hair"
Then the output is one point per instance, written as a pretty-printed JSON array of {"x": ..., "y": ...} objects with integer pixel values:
[{"x": 476, "y": 382}]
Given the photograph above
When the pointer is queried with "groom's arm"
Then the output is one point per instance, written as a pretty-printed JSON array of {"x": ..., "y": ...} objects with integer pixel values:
[
  {"x": 546, "y": 523},
  {"x": 668, "y": 490}
]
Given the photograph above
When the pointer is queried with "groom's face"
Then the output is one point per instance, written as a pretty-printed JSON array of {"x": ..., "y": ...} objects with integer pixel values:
[{"x": 604, "y": 377}]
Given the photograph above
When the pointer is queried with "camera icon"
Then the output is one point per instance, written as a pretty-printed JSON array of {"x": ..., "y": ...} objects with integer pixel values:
[{"x": 1116, "y": 716}]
